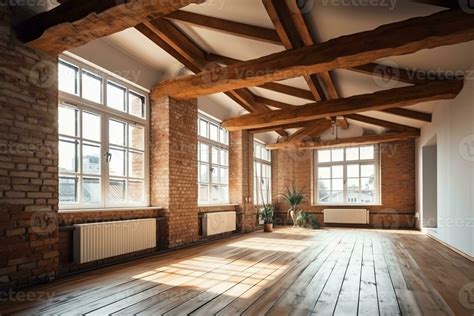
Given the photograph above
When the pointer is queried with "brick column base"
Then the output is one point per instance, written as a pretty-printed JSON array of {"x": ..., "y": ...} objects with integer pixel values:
[
  {"x": 241, "y": 178},
  {"x": 173, "y": 167}
]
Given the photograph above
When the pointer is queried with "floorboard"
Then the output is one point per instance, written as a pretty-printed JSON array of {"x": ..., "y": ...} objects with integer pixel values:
[{"x": 291, "y": 271}]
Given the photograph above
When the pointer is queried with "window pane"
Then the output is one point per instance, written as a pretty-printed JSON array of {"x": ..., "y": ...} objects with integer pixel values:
[
  {"x": 367, "y": 197},
  {"x": 224, "y": 193},
  {"x": 353, "y": 197},
  {"x": 67, "y": 78},
  {"x": 117, "y": 191},
  {"x": 337, "y": 185},
  {"x": 324, "y": 185},
  {"x": 215, "y": 174},
  {"x": 214, "y": 132},
  {"x": 203, "y": 152},
  {"x": 68, "y": 121},
  {"x": 203, "y": 128},
  {"x": 68, "y": 156},
  {"x": 353, "y": 184},
  {"x": 337, "y": 172},
  {"x": 367, "y": 170},
  {"x": 91, "y": 126},
  {"x": 324, "y": 155},
  {"x": 367, "y": 184},
  {"x": 367, "y": 152},
  {"x": 203, "y": 193},
  {"x": 91, "y": 159},
  {"x": 204, "y": 173},
  {"x": 136, "y": 104},
  {"x": 215, "y": 193},
  {"x": 136, "y": 191},
  {"x": 353, "y": 171},
  {"x": 224, "y": 158},
  {"x": 352, "y": 154},
  {"x": 337, "y": 197},
  {"x": 67, "y": 189},
  {"x": 324, "y": 196},
  {"x": 224, "y": 137},
  {"x": 215, "y": 155},
  {"x": 117, "y": 133},
  {"x": 337, "y": 154},
  {"x": 224, "y": 173},
  {"x": 115, "y": 97},
  {"x": 136, "y": 137},
  {"x": 91, "y": 191},
  {"x": 324, "y": 172},
  {"x": 117, "y": 162},
  {"x": 136, "y": 162},
  {"x": 91, "y": 87}
]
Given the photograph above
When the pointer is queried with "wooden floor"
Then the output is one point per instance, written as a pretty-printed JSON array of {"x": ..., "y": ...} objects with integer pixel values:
[{"x": 290, "y": 271}]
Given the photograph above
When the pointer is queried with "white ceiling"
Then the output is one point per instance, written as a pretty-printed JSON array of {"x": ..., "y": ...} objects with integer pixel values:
[{"x": 326, "y": 22}]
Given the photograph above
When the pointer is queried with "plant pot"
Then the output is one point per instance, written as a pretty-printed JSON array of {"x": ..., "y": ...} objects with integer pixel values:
[{"x": 267, "y": 228}]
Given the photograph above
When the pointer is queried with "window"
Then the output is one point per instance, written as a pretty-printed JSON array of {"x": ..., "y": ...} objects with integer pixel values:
[
  {"x": 262, "y": 191},
  {"x": 213, "y": 162},
  {"x": 347, "y": 175},
  {"x": 102, "y": 151}
]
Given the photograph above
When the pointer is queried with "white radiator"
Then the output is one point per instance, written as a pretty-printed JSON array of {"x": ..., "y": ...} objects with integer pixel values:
[
  {"x": 103, "y": 240},
  {"x": 218, "y": 223},
  {"x": 346, "y": 216}
]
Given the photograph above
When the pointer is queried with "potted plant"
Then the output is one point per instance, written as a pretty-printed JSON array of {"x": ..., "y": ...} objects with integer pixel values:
[
  {"x": 294, "y": 197},
  {"x": 266, "y": 212},
  {"x": 266, "y": 215},
  {"x": 307, "y": 220}
]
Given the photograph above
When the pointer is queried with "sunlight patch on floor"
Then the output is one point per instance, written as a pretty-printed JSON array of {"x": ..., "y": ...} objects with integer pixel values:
[{"x": 270, "y": 244}]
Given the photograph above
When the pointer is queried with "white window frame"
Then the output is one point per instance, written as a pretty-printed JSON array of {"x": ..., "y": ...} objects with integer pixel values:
[
  {"x": 261, "y": 162},
  {"x": 345, "y": 163},
  {"x": 106, "y": 113},
  {"x": 212, "y": 144}
]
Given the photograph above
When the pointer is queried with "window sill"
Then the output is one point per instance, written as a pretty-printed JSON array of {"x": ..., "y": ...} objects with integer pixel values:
[
  {"x": 110, "y": 209},
  {"x": 345, "y": 205}
]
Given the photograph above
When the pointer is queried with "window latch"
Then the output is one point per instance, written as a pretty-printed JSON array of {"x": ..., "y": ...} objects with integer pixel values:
[{"x": 108, "y": 157}]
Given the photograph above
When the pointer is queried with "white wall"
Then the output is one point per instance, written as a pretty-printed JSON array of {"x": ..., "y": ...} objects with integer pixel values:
[{"x": 453, "y": 126}]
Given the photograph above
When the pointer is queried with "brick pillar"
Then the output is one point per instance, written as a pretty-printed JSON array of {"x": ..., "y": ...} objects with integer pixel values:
[
  {"x": 241, "y": 178},
  {"x": 28, "y": 162},
  {"x": 173, "y": 167}
]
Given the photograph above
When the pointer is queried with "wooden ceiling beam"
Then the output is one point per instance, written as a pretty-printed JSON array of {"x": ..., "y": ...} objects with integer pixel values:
[
  {"x": 192, "y": 56},
  {"x": 382, "y": 100},
  {"x": 226, "y": 26},
  {"x": 391, "y": 73},
  {"x": 285, "y": 126},
  {"x": 288, "y": 32},
  {"x": 347, "y": 142},
  {"x": 303, "y": 135},
  {"x": 274, "y": 103},
  {"x": 172, "y": 40},
  {"x": 374, "y": 121},
  {"x": 77, "y": 22},
  {"x": 411, "y": 114},
  {"x": 446, "y": 28}
]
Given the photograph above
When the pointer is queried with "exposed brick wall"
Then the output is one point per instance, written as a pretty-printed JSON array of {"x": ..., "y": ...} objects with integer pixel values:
[
  {"x": 397, "y": 176},
  {"x": 174, "y": 167},
  {"x": 28, "y": 162},
  {"x": 241, "y": 178}
]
